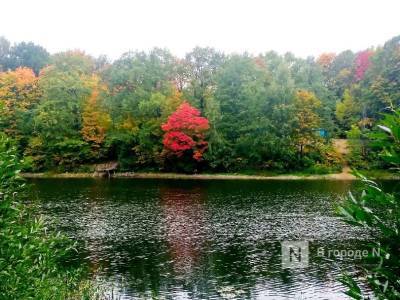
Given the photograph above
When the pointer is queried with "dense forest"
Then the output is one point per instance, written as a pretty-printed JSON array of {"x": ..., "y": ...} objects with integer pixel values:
[{"x": 208, "y": 111}]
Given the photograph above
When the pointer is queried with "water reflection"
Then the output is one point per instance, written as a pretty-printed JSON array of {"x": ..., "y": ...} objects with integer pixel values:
[
  {"x": 184, "y": 224},
  {"x": 203, "y": 240}
]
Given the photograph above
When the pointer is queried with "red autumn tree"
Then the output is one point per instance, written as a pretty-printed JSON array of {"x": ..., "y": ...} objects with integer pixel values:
[
  {"x": 185, "y": 131},
  {"x": 362, "y": 63}
]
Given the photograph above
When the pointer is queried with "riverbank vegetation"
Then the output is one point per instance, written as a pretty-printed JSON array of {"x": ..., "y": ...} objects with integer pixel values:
[
  {"x": 206, "y": 112},
  {"x": 379, "y": 213},
  {"x": 35, "y": 262}
]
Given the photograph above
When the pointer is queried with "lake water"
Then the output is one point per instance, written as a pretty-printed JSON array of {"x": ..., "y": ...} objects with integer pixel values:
[{"x": 170, "y": 239}]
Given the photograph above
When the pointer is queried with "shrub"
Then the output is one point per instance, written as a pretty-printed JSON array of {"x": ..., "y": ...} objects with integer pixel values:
[
  {"x": 379, "y": 213},
  {"x": 33, "y": 261}
]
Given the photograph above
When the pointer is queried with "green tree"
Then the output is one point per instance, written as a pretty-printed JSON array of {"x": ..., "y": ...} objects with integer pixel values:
[
  {"x": 203, "y": 64},
  {"x": 4, "y": 53},
  {"x": 348, "y": 110},
  {"x": 28, "y": 55},
  {"x": 240, "y": 86},
  {"x": 65, "y": 86}
]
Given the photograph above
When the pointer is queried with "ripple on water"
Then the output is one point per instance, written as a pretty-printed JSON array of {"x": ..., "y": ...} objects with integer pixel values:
[{"x": 204, "y": 240}]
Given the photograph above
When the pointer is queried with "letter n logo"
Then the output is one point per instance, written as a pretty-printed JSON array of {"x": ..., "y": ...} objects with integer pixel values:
[{"x": 294, "y": 254}]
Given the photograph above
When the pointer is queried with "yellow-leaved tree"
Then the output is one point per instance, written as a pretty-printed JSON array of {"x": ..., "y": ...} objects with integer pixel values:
[
  {"x": 95, "y": 120},
  {"x": 18, "y": 94},
  {"x": 307, "y": 120}
]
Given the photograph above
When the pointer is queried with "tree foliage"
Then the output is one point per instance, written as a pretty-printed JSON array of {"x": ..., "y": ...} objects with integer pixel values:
[
  {"x": 71, "y": 109},
  {"x": 185, "y": 132},
  {"x": 307, "y": 121}
]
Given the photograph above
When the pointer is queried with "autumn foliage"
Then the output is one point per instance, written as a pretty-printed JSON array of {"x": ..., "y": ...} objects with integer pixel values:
[
  {"x": 307, "y": 120},
  {"x": 95, "y": 122},
  {"x": 70, "y": 110},
  {"x": 362, "y": 63},
  {"x": 18, "y": 93},
  {"x": 185, "y": 132},
  {"x": 326, "y": 59}
]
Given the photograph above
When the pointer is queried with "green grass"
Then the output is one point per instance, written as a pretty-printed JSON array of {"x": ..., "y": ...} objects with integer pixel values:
[{"x": 380, "y": 174}]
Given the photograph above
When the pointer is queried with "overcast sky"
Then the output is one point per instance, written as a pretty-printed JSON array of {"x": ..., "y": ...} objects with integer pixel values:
[{"x": 111, "y": 27}]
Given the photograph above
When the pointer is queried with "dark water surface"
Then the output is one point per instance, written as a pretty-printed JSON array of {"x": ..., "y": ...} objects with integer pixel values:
[{"x": 167, "y": 239}]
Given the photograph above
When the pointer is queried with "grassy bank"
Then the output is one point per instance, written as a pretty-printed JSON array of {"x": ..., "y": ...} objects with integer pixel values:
[
  {"x": 344, "y": 175},
  {"x": 194, "y": 176}
]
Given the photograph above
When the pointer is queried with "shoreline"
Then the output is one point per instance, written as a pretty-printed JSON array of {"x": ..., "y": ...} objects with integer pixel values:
[{"x": 143, "y": 175}]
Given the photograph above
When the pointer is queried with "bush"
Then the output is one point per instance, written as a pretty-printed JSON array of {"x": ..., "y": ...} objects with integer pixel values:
[
  {"x": 33, "y": 261},
  {"x": 379, "y": 213},
  {"x": 319, "y": 169}
]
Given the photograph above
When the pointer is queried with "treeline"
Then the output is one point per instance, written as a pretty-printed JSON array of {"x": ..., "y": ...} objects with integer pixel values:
[{"x": 208, "y": 111}]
